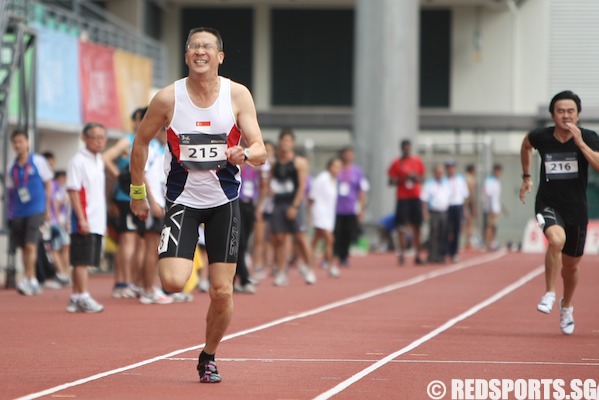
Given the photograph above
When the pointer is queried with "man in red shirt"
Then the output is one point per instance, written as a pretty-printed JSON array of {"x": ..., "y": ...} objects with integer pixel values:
[{"x": 407, "y": 173}]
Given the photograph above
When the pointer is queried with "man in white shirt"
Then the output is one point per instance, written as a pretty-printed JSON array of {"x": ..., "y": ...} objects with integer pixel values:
[{"x": 492, "y": 206}]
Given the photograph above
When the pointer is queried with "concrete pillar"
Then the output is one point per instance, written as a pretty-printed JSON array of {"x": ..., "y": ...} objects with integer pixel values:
[
  {"x": 386, "y": 98},
  {"x": 262, "y": 72}
]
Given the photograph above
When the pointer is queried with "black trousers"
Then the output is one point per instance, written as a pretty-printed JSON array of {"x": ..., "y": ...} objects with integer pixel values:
[
  {"x": 437, "y": 236},
  {"x": 346, "y": 232},
  {"x": 455, "y": 214},
  {"x": 248, "y": 217}
]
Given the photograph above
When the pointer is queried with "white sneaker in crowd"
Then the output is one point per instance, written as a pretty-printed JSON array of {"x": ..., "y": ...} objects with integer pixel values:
[
  {"x": 29, "y": 287},
  {"x": 248, "y": 288},
  {"x": 280, "y": 279},
  {"x": 181, "y": 297},
  {"x": 203, "y": 285},
  {"x": 258, "y": 274},
  {"x": 303, "y": 269},
  {"x": 52, "y": 284},
  {"x": 72, "y": 306},
  {"x": 334, "y": 271},
  {"x": 310, "y": 277},
  {"x": 123, "y": 293},
  {"x": 86, "y": 305},
  {"x": 156, "y": 297}
]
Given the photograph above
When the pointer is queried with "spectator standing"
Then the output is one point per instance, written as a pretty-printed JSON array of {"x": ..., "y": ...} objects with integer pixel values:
[
  {"x": 156, "y": 181},
  {"x": 86, "y": 187},
  {"x": 471, "y": 206},
  {"x": 351, "y": 203},
  {"x": 289, "y": 177},
  {"x": 29, "y": 181},
  {"x": 435, "y": 198},
  {"x": 59, "y": 232},
  {"x": 323, "y": 203},
  {"x": 206, "y": 116},
  {"x": 130, "y": 252},
  {"x": 458, "y": 193},
  {"x": 252, "y": 190},
  {"x": 492, "y": 206},
  {"x": 407, "y": 173},
  {"x": 262, "y": 252}
]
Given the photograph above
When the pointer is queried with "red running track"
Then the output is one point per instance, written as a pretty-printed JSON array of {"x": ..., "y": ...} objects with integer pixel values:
[{"x": 379, "y": 332}]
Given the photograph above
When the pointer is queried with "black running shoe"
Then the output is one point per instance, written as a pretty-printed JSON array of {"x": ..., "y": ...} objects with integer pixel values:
[{"x": 208, "y": 372}]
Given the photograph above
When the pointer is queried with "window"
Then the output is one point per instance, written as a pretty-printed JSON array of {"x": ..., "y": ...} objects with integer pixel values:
[
  {"x": 435, "y": 57},
  {"x": 312, "y": 57}
]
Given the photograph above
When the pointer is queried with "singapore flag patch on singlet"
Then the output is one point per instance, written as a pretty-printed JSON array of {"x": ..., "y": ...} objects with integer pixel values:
[
  {"x": 202, "y": 149},
  {"x": 560, "y": 166}
]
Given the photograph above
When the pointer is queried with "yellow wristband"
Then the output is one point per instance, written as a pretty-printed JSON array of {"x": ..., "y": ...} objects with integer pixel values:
[{"x": 137, "y": 192}]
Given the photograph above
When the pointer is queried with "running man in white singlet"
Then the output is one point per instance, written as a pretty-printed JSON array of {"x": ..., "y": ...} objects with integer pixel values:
[{"x": 206, "y": 117}]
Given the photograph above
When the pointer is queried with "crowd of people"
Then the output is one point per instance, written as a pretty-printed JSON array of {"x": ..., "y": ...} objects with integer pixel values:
[
  {"x": 290, "y": 218},
  {"x": 447, "y": 200}
]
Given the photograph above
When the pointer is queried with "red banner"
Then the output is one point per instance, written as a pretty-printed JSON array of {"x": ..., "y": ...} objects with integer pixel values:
[{"x": 98, "y": 85}]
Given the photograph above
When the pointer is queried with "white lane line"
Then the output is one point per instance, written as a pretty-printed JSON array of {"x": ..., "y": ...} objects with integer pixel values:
[
  {"x": 497, "y": 296},
  {"x": 373, "y": 293},
  {"x": 347, "y": 360}
]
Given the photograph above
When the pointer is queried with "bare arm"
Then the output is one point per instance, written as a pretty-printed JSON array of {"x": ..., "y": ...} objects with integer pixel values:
[
  {"x": 301, "y": 165},
  {"x": 48, "y": 186},
  {"x": 525, "y": 159},
  {"x": 112, "y": 154},
  {"x": 247, "y": 120},
  {"x": 362, "y": 203}
]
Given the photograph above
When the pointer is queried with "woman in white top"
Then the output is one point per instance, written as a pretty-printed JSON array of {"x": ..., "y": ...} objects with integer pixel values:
[{"x": 323, "y": 202}]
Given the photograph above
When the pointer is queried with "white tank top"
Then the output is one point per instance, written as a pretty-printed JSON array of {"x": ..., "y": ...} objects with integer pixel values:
[{"x": 198, "y": 174}]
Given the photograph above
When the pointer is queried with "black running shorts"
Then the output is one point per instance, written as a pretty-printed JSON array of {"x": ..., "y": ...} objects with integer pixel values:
[
  {"x": 575, "y": 234},
  {"x": 85, "y": 250},
  {"x": 179, "y": 235}
]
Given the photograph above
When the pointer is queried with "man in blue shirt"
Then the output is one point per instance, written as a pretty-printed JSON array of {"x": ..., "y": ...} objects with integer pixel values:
[{"x": 29, "y": 181}]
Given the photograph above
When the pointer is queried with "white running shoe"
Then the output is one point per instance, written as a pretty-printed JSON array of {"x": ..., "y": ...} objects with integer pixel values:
[
  {"x": 248, "y": 288},
  {"x": 35, "y": 287},
  {"x": 123, "y": 293},
  {"x": 280, "y": 279},
  {"x": 203, "y": 285},
  {"x": 334, "y": 271},
  {"x": 89, "y": 305},
  {"x": 24, "y": 287},
  {"x": 310, "y": 277},
  {"x": 72, "y": 306},
  {"x": 303, "y": 269},
  {"x": 181, "y": 297},
  {"x": 52, "y": 284},
  {"x": 546, "y": 303},
  {"x": 566, "y": 319},
  {"x": 258, "y": 275},
  {"x": 156, "y": 297}
]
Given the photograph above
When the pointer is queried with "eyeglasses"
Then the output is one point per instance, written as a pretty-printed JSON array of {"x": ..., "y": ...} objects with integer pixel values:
[
  {"x": 97, "y": 138},
  {"x": 197, "y": 46}
]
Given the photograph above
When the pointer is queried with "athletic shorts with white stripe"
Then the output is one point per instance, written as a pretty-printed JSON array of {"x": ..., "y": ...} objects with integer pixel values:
[{"x": 179, "y": 235}]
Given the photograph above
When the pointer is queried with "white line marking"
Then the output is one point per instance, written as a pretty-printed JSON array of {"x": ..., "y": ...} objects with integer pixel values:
[
  {"x": 373, "y": 293},
  {"x": 497, "y": 296},
  {"x": 344, "y": 360}
]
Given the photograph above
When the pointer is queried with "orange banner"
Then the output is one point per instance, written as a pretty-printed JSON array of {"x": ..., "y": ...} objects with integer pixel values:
[{"x": 134, "y": 83}]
